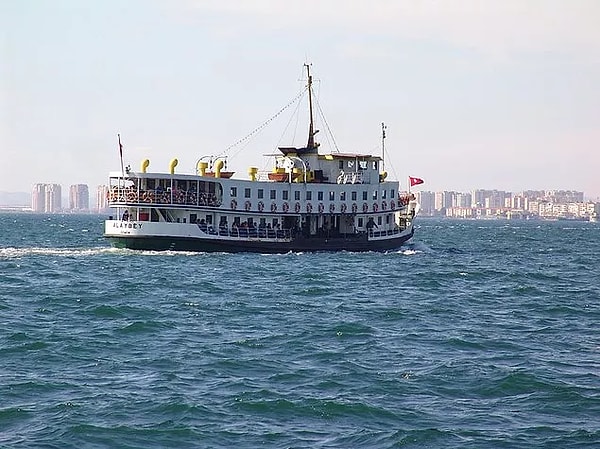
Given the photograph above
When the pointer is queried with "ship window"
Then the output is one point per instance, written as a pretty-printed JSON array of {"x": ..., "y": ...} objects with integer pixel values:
[
  {"x": 209, "y": 219},
  {"x": 260, "y": 194},
  {"x": 365, "y": 195},
  {"x": 331, "y": 196},
  {"x": 308, "y": 195},
  {"x": 360, "y": 222},
  {"x": 285, "y": 195},
  {"x": 392, "y": 193},
  {"x": 374, "y": 165},
  {"x": 320, "y": 196},
  {"x": 387, "y": 218},
  {"x": 233, "y": 192},
  {"x": 247, "y": 193},
  {"x": 297, "y": 195},
  {"x": 273, "y": 194},
  {"x": 341, "y": 165},
  {"x": 379, "y": 220},
  {"x": 362, "y": 165},
  {"x": 354, "y": 196},
  {"x": 262, "y": 223},
  {"x": 342, "y": 196},
  {"x": 193, "y": 218},
  {"x": 374, "y": 194},
  {"x": 383, "y": 194}
]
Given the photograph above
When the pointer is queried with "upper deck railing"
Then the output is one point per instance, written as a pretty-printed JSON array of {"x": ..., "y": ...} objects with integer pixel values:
[{"x": 159, "y": 196}]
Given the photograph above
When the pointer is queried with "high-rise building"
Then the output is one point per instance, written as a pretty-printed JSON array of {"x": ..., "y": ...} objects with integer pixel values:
[
  {"x": 53, "y": 199},
  {"x": 46, "y": 198},
  {"x": 79, "y": 197},
  {"x": 427, "y": 201},
  {"x": 443, "y": 200},
  {"x": 38, "y": 198},
  {"x": 101, "y": 198}
]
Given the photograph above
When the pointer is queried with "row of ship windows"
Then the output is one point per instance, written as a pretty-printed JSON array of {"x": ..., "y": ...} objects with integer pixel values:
[
  {"x": 263, "y": 221},
  {"x": 285, "y": 195}
]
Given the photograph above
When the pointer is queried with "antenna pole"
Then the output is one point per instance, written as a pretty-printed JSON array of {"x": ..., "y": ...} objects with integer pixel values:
[
  {"x": 121, "y": 156},
  {"x": 311, "y": 130},
  {"x": 383, "y": 128}
]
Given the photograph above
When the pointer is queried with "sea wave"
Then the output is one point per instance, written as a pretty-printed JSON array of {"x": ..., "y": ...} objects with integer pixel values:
[{"x": 19, "y": 252}]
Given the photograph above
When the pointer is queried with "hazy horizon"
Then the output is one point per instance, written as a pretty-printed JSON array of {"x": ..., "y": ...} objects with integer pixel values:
[{"x": 501, "y": 95}]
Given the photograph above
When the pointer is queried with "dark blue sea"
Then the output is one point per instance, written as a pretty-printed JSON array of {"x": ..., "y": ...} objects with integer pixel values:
[{"x": 476, "y": 334}]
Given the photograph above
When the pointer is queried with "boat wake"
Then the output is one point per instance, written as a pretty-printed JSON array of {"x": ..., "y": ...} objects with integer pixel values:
[{"x": 15, "y": 253}]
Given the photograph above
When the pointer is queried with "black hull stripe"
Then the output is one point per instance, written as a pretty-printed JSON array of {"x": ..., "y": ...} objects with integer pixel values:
[{"x": 157, "y": 243}]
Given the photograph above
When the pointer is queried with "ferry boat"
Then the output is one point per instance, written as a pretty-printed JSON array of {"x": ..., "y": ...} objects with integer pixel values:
[{"x": 308, "y": 202}]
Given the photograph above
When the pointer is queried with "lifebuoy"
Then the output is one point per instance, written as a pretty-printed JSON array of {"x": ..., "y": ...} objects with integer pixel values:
[
  {"x": 375, "y": 207},
  {"x": 392, "y": 205},
  {"x": 234, "y": 204},
  {"x": 308, "y": 208},
  {"x": 343, "y": 208},
  {"x": 354, "y": 208},
  {"x": 321, "y": 208},
  {"x": 131, "y": 196},
  {"x": 248, "y": 205},
  {"x": 332, "y": 208},
  {"x": 285, "y": 207},
  {"x": 261, "y": 206},
  {"x": 297, "y": 207},
  {"x": 365, "y": 207},
  {"x": 273, "y": 207}
]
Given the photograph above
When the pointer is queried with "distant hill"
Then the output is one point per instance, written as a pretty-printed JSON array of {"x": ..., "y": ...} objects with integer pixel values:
[{"x": 15, "y": 199}]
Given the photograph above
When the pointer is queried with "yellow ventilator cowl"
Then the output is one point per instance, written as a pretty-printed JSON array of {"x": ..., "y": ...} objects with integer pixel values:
[
  {"x": 297, "y": 174},
  {"x": 172, "y": 165},
  {"x": 202, "y": 166},
  {"x": 252, "y": 171},
  {"x": 218, "y": 167},
  {"x": 145, "y": 164}
]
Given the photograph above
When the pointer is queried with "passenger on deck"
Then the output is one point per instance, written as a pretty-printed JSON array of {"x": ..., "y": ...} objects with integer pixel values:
[{"x": 371, "y": 224}]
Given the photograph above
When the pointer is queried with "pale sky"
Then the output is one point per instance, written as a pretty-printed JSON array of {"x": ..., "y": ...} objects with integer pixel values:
[{"x": 475, "y": 93}]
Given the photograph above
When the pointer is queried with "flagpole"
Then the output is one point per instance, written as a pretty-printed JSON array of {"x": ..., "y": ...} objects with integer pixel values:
[
  {"x": 121, "y": 157},
  {"x": 383, "y": 127}
]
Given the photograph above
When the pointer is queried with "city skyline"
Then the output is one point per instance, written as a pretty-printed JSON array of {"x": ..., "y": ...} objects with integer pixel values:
[
  {"x": 494, "y": 93},
  {"x": 79, "y": 198}
]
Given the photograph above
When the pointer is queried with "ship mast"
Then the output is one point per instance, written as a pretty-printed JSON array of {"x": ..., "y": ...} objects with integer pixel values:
[
  {"x": 311, "y": 130},
  {"x": 383, "y": 128}
]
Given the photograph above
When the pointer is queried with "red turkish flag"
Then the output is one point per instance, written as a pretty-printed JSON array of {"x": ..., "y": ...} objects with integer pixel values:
[{"x": 415, "y": 181}]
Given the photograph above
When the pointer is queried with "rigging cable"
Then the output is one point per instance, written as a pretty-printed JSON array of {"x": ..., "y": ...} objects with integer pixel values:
[
  {"x": 327, "y": 125},
  {"x": 265, "y": 123}
]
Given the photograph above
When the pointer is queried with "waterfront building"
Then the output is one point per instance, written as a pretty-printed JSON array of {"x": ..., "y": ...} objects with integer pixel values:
[
  {"x": 46, "y": 198},
  {"x": 38, "y": 198},
  {"x": 462, "y": 200},
  {"x": 102, "y": 198},
  {"x": 427, "y": 201},
  {"x": 53, "y": 199},
  {"x": 79, "y": 197},
  {"x": 443, "y": 200},
  {"x": 564, "y": 196}
]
